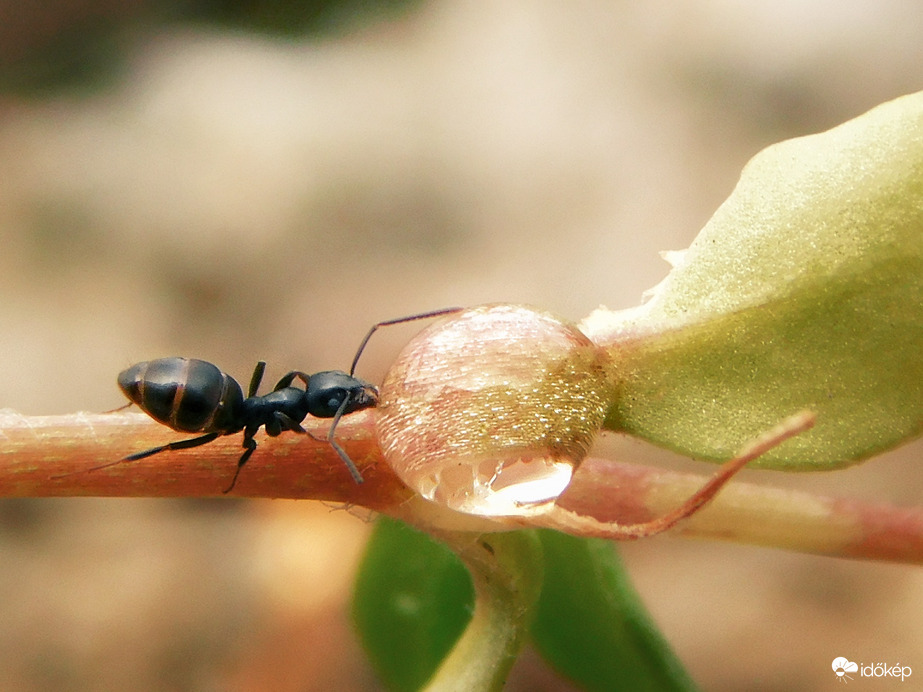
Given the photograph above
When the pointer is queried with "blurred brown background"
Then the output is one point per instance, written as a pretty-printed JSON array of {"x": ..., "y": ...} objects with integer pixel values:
[{"x": 175, "y": 183}]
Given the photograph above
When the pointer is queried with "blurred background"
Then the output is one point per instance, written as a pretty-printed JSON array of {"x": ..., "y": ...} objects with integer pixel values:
[{"x": 238, "y": 181}]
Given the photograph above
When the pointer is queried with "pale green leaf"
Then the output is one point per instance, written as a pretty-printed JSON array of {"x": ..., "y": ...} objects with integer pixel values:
[{"x": 804, "y": 291}]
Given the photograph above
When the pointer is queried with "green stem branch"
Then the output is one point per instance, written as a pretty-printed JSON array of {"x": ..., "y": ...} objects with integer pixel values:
[{"x": 507, "y": 571}]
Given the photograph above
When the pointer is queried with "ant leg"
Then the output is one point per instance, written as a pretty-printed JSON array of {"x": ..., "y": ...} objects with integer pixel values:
[
  {"x": 331, "y": 440},
  {"x": 181, "y": 444},
  {"x": 120, "y": 408},
  {"x": 249, "y": 448},
  {"x": 288, "y": 378},
  {"x": 399, "y": 320},
  {"x": 289, "y": 423},
  {"x": 353, "y": 471},
  {"x": 256, "y": 378}
]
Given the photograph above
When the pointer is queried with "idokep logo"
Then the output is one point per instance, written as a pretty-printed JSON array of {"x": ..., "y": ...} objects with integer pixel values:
[{"x": 842, "y": 667}]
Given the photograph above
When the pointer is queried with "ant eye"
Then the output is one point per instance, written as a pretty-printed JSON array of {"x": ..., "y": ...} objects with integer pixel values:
[{"x": 336, "y": 400}]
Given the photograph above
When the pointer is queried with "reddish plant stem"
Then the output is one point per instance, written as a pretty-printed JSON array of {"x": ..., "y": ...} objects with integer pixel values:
[
  {"x": 37, "y": 452},
  {"x": 46, "y": 456},
  {"x": 747, "y": 513},
  {"x": 563, "y": 519}
]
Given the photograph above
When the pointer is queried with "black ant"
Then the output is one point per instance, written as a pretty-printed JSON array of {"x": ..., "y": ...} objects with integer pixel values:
[{"x": 194, "y": 396}]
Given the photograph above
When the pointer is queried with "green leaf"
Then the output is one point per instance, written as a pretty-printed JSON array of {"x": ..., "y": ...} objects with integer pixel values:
[
  {"x": 591, "y": 625},
  {"x": 413, "y": 598},
  {"x": 804, "y": 291}
]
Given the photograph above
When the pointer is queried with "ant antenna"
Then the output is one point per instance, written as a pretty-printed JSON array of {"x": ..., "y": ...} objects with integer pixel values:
[
  {"x": 354, "y": 472},
  {"x": 399, "y": 320}
]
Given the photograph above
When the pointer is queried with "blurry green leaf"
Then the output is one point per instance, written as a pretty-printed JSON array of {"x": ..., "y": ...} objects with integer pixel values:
[
  {"x": 74, "y": 46},
  {"x": 413, "y": 599},
  {"x": 804, "y": 291},
  {"x": 290, "y": 17},
  {"x": 592, "y": 627}
]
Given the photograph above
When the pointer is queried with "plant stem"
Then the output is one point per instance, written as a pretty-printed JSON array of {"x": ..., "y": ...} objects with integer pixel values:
[
  {"x": 507, "y": 571},
  {"x": 47, "y": 456},
  {"x": 749, "y": 513}
]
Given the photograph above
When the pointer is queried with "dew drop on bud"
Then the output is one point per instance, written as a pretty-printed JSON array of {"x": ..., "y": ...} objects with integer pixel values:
[{"x": 490, "y": 411}]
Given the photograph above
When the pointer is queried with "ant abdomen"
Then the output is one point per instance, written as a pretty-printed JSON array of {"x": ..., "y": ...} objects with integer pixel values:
[{"x": 185, "y": 394}]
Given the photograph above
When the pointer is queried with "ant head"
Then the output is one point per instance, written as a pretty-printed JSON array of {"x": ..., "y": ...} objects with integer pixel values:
[{"x": 326, "y": 392}]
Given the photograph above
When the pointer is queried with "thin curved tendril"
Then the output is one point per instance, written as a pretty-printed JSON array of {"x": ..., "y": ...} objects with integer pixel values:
[{"x": 567, "y": 520}]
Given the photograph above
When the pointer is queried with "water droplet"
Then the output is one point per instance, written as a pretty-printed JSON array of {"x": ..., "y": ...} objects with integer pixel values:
[
  {"x": 512, "y": 488},
  {"x": 490, "y": 411}
]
